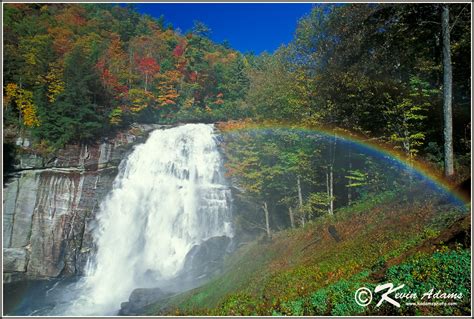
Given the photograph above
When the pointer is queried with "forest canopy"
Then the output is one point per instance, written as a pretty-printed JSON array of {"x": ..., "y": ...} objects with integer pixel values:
[{"x": 73, "y": 72}]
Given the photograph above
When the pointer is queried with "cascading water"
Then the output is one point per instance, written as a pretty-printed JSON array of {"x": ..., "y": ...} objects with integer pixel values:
[{"x": 170, "y": 195}]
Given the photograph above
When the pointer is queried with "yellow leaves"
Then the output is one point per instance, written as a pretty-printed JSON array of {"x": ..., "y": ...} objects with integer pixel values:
[
  {"x": 168, "y": 94},
  {"x": 188, "y": 103},
  {"x": 24, "y": 103},
  {"x": 55, "y": 83},
  {"x": 27, "y": 108},
  {"x": 169, "y": 36},
  {"x": 32, "y": 48},
  {"x": 139, "y": 99},
  {"x": 235, "y": 125},
  {"x": 10, "y": 93},
  {"x": 88, "y": 42},
  {"x": 115, "y": 117},
  {"x": 30, "y": 58},
  {"x": 218, "y": 57},
  {"x": 231, "y": 56}
]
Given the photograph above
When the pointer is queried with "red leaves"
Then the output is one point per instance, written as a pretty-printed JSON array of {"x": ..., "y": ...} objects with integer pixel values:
[
  {"x": 193, "y": 76},
  {"x": 108, "y": 79},
  {"x": 181, "y": 66},
  {"x": 168, "y": 102},
  {"x": 148, "y": 66},
  {"x": 179, "y": 49}
]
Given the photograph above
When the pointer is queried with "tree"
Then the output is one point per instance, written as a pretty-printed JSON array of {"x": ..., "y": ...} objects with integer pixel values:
[
  {"x": 447, "y": 94},
  {"x": 316, "y": 204},
  {"x": 23, "y": 100},
  {"x": 406, "y": 117},
  {"x": 167, "y": 87},
  {"x": 148, "y": 67},
  {"x": 76, "y": 113},
  {"x": 200, "y": 29}
]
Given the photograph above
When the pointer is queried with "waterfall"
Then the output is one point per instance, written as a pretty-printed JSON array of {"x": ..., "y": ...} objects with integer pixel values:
[{"x": 170, "y": 194}]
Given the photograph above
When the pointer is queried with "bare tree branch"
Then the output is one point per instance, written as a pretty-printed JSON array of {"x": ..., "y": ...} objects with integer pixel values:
[{"x": 456, "y": 20}]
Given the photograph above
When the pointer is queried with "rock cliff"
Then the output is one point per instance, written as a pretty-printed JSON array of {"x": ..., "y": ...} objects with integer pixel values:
[{"x": 49, "y": 205}]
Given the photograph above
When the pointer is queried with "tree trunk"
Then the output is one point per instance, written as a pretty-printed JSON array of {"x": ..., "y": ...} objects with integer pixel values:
[
  {"x": 349, "y": 189},
  {"x": 267, "y": 219},
  {"x": 130, "y": 69},
  {"x": 327, "y": 189},
  {"x": 292, "y": 217},
  {"x": 146, "y": 81},
  {"x": 300, "y": 199},
  {"x": 447, "y": 94},
  {"x": 331, "y": 191}
]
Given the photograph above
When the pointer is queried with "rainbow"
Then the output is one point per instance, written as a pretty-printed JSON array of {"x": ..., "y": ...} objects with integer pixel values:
[{"x": 375, "y": 146}]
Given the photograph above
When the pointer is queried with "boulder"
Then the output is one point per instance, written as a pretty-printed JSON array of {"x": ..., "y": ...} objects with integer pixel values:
[
  {"x": 205, "y": 259},
  {"x": 140, "y": 298}
]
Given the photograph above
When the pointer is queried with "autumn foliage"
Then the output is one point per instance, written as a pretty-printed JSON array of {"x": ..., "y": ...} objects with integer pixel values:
[{"x": 72, "y": 68}]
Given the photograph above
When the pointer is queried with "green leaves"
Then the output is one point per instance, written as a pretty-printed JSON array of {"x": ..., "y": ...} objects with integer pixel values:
[
  {"x": 316, "y": 204},
  {"x": 357, "y": 178},
  {"x": 406, "y": 118}
]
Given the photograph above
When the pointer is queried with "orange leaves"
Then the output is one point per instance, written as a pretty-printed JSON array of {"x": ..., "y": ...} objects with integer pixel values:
[
  {"x": 220, "y": 99},
  {"x": 235, "y": 125},
  {"x": 167, "y": 87},
  {"x": 213, "y": 57},
  {"x": 72, "y": 16},
  {"x": 220, "y": 57},
  {"x": 139, "y": 100},
  {"x": 116, "y": 57},
  {"x": 62, "y": 39}
]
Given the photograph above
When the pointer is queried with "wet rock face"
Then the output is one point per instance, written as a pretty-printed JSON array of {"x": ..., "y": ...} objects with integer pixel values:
[
  {"x": 139, "y": 299},
  {"x": 15, "y": 260},
  {"x": 49, "y": 206},
  {"x": 204, "y": 260}
]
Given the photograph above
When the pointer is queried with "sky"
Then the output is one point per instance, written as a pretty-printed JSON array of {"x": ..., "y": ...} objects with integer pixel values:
[{"x": 248, "y": 27}]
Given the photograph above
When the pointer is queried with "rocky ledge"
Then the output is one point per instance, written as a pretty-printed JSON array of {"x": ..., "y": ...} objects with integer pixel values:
[{"x": 49, "y": 204}]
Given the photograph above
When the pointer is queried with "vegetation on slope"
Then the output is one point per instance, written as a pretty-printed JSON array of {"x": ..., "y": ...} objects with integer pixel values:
[
  {"x": 313, "y": 271},
  {"x": 74, "y": 72}
]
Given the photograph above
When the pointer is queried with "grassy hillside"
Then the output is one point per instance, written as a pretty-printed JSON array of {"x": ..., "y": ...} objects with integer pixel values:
[{"x": 316, "y": 270}]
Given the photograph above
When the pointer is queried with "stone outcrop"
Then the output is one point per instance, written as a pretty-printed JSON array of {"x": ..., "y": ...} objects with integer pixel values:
[
  {"x": 204, "y": 260},
  {"x": 201, "y": 263},
  {"x": 49, "y": 205},
  {"x": 139, "y": 299}
]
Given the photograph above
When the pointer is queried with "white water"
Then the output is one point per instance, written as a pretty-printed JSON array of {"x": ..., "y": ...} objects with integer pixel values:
[{"x": 170, "y": 194}]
